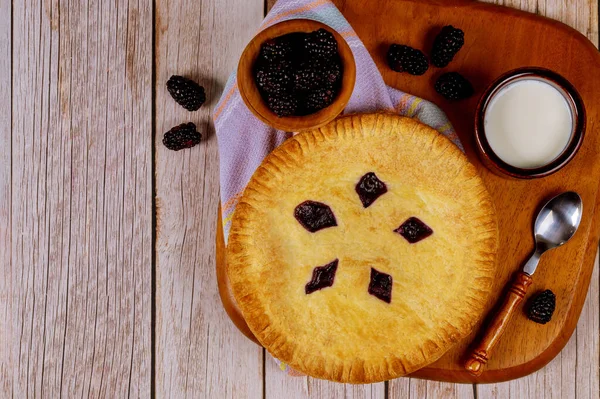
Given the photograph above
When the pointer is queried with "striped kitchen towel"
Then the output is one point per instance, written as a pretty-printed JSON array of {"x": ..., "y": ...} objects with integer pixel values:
[{"x": 244, "y": 141}]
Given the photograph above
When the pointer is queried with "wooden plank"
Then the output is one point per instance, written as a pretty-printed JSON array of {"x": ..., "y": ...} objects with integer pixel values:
[
  {"x": 81, "y": 199},
  {"x": 414, "y": 388},
  {"x": 280, "y": 385},
  {"x": 199, "y": 352},
  {"x": 580, "y": 14},
  {"x": 6, "y": 361},
  {"x": 587, "y": 378},
  {"x": 325, "y": 389},
  {"x": 574, "y": 372}
]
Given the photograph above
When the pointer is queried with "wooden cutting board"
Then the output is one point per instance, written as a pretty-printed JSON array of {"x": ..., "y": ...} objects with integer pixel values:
[{"x": 497, "y": 39}]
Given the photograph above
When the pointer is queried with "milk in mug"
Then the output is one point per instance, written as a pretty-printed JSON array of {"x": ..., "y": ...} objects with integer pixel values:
[{"x": 528, "y": 123}]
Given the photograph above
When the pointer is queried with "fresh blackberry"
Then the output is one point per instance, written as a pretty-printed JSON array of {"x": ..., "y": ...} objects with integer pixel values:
[
  {"x": 446, "y": 45},
  {"x": 319, "y": 99},
  {"x": 407, "y": 59},
  {"x": 453, "y": 86},
  {"x": 276, "y": 49},
  {"x": 182, "y": 136},
  {"x": 321, "y": 44},
  {"x": 282, "y": 104},
  {"x": 189, "y": 94},
  {"x": 299, "y": 73},
  {"x": 274, "y": 77},
  {"x": 317, "y": 73},
  {"x": 542, "y": 307}
]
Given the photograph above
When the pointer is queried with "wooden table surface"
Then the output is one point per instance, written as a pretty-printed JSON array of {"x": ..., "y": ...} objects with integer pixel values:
[{"x": 107, "y": 283}]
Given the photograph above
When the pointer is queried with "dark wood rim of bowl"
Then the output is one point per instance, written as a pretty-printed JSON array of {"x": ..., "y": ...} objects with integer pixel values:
[
  {"x": 577, "y": 134},
  {"x": 251, "y": 95}
]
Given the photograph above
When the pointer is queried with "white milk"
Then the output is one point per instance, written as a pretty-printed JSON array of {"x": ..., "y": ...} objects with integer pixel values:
[{"x": 528, "y": 123}]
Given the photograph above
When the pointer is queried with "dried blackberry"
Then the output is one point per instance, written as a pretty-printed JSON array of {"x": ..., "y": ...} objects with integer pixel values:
[
  {"x": 274, "y": 78},
  {"x": 319, "y": 99},
  {"x": 313, "y": 74},
  {"x": 282, "y": 104},
  {"x": 407, "y": 59},
  {"x": 189, "y": 94},
  {"x": 542, "y": 307},
  {"x": 446, "y": 45},
  {"x": 182, "y": 136},
  {"x": 454, "y": 86},
  {"x": 320, "y": 43}
]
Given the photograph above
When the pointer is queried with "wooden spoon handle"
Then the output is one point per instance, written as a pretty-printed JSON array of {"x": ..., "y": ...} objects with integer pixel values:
[{"x": 480, "y": 355}]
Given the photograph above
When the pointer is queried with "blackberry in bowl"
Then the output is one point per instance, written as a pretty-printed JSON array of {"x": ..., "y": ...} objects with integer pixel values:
[{"x": 296, "y": 75}]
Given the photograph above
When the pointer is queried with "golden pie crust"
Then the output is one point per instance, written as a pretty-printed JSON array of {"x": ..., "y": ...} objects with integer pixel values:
[{"x": 440, "y": 284}]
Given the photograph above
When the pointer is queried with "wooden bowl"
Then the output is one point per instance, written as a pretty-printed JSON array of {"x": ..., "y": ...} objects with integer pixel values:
[
  {"x": 493, "y": 161},
  {"x": 253, "y": 99}
]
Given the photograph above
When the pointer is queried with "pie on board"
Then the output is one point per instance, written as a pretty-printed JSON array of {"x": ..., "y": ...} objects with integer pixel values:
[{"x": 363, "y": 250}]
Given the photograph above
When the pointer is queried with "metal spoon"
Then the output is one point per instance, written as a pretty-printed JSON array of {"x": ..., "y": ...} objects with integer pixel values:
[{"x": 555, "y": 224}]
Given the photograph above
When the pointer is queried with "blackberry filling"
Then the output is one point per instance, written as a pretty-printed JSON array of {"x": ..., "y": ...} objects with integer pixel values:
[
  {"x": 314, "y": 216},
  {"x": 322, "y": 277}
]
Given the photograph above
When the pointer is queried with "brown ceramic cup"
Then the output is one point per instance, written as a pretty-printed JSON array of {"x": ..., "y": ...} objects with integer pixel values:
[{"x": 493, "y": 161}]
